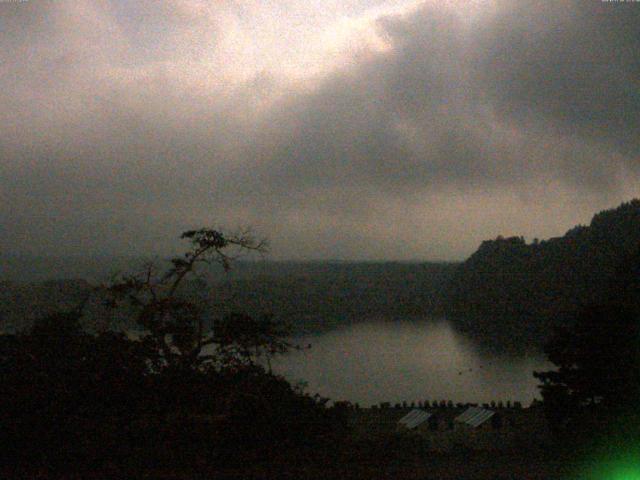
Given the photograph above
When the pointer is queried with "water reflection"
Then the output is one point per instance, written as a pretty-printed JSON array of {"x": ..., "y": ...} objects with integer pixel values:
[{"x": 414, "y": 361}]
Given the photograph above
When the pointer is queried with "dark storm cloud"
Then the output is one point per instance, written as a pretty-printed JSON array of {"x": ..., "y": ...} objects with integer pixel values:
[
  {"x": 426, "y": 114},
  {"x": 572, "y": 66},
  {"x": 121, "y": 127},
  {"x": 398, "y": 121}
]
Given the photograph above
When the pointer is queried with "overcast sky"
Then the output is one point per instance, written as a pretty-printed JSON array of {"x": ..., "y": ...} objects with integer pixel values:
[{"x": 351, "y": 129}]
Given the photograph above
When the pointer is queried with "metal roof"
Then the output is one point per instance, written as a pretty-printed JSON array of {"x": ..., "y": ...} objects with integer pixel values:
[
  {"x": 475, "y": 416},
  {"x": 414, "y": 418}
]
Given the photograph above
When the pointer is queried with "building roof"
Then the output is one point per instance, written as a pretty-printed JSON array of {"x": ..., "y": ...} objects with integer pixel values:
[
  {"x": 414, "y": 418},
  {"x": 475, "y": 416}
]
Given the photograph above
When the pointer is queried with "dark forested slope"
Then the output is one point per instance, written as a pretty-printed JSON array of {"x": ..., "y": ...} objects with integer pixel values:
[{"x": 511, "y": 290}]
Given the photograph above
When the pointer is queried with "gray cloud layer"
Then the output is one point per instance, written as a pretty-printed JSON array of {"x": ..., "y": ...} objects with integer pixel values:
[{"x": 122, "y": 126}]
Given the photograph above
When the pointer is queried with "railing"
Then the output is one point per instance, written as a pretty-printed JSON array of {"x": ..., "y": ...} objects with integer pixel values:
[{"x": 435, "y": 404}]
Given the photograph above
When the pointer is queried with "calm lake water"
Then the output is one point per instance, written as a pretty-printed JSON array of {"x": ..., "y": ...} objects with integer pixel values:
[{"x": 394, "y": 361}]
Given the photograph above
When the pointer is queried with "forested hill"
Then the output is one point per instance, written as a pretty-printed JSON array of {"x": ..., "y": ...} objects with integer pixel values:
[{"x": 509, "y": 289}]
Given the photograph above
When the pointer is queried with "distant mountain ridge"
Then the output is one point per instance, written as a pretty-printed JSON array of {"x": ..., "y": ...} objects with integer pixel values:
[{"x": 509, "y": 289}]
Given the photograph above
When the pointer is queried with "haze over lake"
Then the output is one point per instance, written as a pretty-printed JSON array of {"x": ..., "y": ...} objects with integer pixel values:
[{"x": 417, "y": 360}]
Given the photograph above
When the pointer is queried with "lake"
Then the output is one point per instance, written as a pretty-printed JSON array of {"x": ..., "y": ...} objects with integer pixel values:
[{"x": 394, "y": 361}]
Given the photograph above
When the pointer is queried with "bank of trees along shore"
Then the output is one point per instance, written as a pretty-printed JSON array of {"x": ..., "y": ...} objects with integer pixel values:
[{"x": 509, "y": 291}]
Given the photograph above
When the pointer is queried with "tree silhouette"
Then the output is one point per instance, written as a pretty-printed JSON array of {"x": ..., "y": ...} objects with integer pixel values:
[
  {"x": 597, "y": 359},
  {"x": 72, "y": 400},
  {"x": 175, "y": 323}
]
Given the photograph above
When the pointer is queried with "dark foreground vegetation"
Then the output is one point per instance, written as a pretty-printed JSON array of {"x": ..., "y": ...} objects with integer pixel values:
[
  {"x": 591, "y": 397},
  {"x": 179, "y": 398},
  {"x": 78, "y": 403}
]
